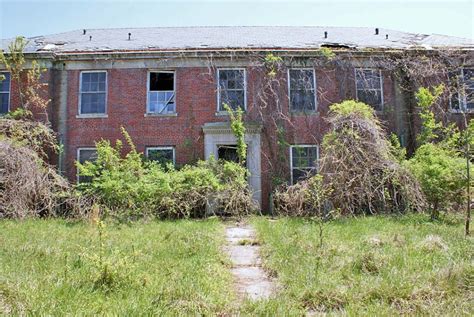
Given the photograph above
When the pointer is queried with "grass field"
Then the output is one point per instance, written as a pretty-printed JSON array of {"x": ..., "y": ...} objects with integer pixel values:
[
  {"x": 367, "y": 266},
  {"x": 54, "y": 267}
]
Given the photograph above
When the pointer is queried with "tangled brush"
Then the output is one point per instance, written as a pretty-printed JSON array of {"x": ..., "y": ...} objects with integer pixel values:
[
  {"x": 359, "y": 166},
  {"x": 29, "y": 186},
  {"x": 359, "y": 172}
]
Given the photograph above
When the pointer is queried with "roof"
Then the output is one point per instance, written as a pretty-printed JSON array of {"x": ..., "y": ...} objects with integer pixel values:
[{"x": 235, "y": 37}]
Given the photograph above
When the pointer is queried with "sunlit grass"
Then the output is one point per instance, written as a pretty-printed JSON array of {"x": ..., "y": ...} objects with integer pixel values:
[
  {"x": 52, "y": 267},
  {"x": 368, "y": 266}
]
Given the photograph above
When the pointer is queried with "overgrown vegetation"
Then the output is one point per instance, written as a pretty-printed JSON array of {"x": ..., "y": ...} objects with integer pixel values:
[
  {"x": 358, "y": 171},
  {"x": 129, "y": 187},
  {"x": 29, "y": 185},
  {"x": 367, "y": 266},
  {"x": 56, "y": 267},
  {"x": 438, "y": 163}
]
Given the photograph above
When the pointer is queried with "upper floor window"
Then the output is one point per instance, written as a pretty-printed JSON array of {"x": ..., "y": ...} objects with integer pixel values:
[
  {"x": 93, "y": 93},
  {"x": 302, "y": 84},
  {"x": 162, "y": 155},
  {"x": 161, "y": 93},
  {"x": 463, "y": 99},
  {"x": 4, "y": 92},
  {"x": 369, "y": 87},
  {"x": 303, "y": 160},
  {"x": 231, "y": 88},
  {"x": 85, "y": 155}
]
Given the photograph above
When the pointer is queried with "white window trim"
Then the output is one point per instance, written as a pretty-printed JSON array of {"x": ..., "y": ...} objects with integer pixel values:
[
  {"x": 300, "y": 146},
  {"x": 462, "y": 97},
  {"x": 9, "y": 91},
  {"x": 381, "y": 84},
  {"x": 169, "y": 114},
  {"x": 314, "y": 90},
  {"x": 78, "y": 153},
  {"x": 219, "y": 89},
  {"x": 93, "y": 115},
  {"x": 147, "y": 149}
]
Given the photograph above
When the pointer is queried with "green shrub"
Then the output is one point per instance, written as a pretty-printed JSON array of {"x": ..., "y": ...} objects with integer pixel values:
[
  {"x": 131, "y": 187},
  {"x": 441, "y": 174}
]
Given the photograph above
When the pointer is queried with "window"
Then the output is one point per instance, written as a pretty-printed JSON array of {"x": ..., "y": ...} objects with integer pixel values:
[
  {"x": 302, "y": 90},
  {"x": 231, "y": 88},
  {"x": 85, "y": 155},
  {"x": 161, "y": 93},
  {"x": 93, "y": 93},
  {"x": 4, "y": 92},
  {"x": 162, "y": 155},
  {"x": 303, "y": 160},
  {"x": 463, "y": 99},
  {"x": 369, "y": 87}
]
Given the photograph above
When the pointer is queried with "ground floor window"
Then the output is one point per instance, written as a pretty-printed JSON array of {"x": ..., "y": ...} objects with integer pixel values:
[
  {"x": 303, "y": 161},
  {"x": 85, "y": 155},
  {"x": 162, "y": 155}
]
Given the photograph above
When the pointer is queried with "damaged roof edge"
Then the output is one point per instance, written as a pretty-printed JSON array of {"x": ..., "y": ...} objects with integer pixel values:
[{"x": 235, "y": 38}]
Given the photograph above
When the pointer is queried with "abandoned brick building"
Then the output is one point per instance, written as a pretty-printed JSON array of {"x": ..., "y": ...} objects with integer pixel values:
[{"x": 167, "y": 88}]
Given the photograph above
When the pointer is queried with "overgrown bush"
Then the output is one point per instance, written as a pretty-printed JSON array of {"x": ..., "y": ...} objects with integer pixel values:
[
  {"x": 359, "y": 172},
  {"x": 131, "y": 187},
  {"x": 29, "y": 186},
  {"x": 438, "y": 163},
  {"x": 441, "y": 174}
]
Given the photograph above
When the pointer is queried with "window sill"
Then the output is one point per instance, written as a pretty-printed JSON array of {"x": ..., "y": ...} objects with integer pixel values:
[
  {"x": 305, "y": 113},
  {"x": 92, "y": 116},
  {"x": 174, "y": 114}
]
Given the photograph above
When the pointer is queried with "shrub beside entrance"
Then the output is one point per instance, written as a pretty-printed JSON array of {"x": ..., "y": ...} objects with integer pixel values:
[{"x": 129, "y": 186}]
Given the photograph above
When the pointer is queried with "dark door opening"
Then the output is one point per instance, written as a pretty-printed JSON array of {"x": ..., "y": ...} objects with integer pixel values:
[{"x": 228, "y": 153}]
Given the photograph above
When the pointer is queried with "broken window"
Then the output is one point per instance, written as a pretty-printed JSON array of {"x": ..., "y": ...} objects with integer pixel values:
[
  {"x": 4, "y": 92},
  {"x": 302, "y": 90},
  {"x": 161, "y": 94},
  {"x": 85, "y": 155},
  {"x": 303, "y": 161},
  {"x": 369, "y": 87},
  {"x": 463, "y": 98},
  {"x": 93, "y": 92},
  {"x": 162, "y": 155},
  {"x": 231, "y": 88}
]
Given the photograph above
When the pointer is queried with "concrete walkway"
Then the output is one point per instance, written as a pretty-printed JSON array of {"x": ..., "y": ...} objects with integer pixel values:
[{"x": 250, "y": 279}]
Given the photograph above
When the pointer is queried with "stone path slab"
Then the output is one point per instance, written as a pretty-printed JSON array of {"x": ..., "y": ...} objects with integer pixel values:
[{"x": 251, "y": 280}]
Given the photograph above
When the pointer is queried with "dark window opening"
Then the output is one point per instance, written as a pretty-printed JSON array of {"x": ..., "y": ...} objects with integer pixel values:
[
  {"x": 163, "y": 156},
  {"x": 86, "y": 155},
  {"x": 161, "y": 81}
]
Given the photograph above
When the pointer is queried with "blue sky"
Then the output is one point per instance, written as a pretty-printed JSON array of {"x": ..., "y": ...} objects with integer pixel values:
[{"x": 38, "y": 17}]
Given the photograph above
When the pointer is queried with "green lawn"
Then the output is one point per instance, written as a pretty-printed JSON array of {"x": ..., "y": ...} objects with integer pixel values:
[
  {"x": 368, "y": 266},
  {"x": 52, "y": 267}
]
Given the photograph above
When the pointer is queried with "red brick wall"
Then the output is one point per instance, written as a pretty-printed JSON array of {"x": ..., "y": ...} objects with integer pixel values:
[{"x": 196, "y": 104}]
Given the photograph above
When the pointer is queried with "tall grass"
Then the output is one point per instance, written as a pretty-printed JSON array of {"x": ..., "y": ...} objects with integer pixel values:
[
  {"x": 368, "y": 266},
  {"x": 54, "y": 267}
]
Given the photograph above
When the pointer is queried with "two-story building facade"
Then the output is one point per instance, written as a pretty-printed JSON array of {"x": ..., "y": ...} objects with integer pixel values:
[{"x": 168, "y": 86}]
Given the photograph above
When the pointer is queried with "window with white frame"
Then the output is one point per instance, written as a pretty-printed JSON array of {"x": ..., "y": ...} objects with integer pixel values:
[
  {"x": 4, "y": 92},
  {"x": 302, "y": 90},
  {"x": 369, "y": 87},
  {"x": 231, "y": 89},
  {"x": 93, "y": 93},
  {"x": 303, "y": 160},
  {"x": 163, "y": 155},
  {"x": 85, "y": 155},
  {"x": 161, "y": 92},
  {"x": 462, "y": 100}
]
